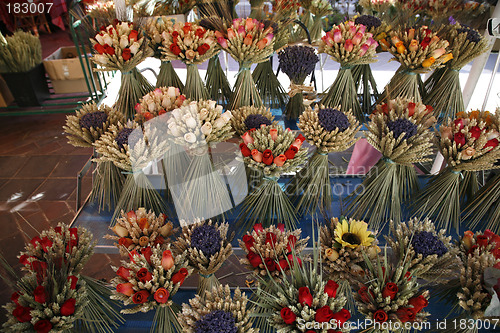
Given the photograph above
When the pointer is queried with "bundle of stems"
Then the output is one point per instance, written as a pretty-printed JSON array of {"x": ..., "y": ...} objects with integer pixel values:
[
  {"x": 133, "y": 86},
  {"x": 216, "y": 82},
  {"x": 167, "y": 77},
  {"x": 363, "y": 78},
  {"x": 245, "y": 91},
  {"x": 343, "y": 92},
  {"x": 20, "y": 52},
  {"x": 485, "y": 206},
  {"x": 194, "y": 89},
  {"x": 270, "y": 89},
  {"x": 107, "y": 185}
]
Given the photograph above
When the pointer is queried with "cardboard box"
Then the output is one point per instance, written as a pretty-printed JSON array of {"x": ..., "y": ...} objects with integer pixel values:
[
  {"x": 65, "y": 71},
  {"x": 5, "y": 95}
]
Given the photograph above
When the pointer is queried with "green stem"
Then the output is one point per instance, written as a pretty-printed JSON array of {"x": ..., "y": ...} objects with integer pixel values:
[
  {"x": 133, "y": 87},
  {"x": 245, "y": 92},
  {"x": 216, "y": 81},
  {"x": 403, "y": 84},
  {"x": 168, "y": 77},
  {"x": 107, "y": 185},
  {"x": 195, "y": 88},
  {"x": 446, "y": 96}
]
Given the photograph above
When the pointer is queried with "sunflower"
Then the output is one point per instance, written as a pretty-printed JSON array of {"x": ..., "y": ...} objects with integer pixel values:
[{"x": 353, "y": 233}]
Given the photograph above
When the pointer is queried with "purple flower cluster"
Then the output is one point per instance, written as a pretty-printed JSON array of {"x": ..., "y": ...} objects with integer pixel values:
[
  {"x": 331, "y": 119},
  {"x": 368, "y": 21},
  {"x": 400, "y": 126},
  {"x": 472, "y": 35},
  {"x": 298, "y": 62},
  {"x": 207, "y": 239},
  {"x": 122, "y": 137},
  {"x": 426, "y": 244},
  {"x": 217, "y": 321},
  {"x": 93, "y": 119},
  {"x": 255, "y": 120}
]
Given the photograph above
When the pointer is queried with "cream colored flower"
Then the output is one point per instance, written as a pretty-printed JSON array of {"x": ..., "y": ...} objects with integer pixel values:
[
  {"x": 190, "y": 54},
  {"x": 468, "y": 153},
  {"x": 190, "y": 137},
  {"x": 206, "y": 129},
  {"x": 134, "y": 47}
]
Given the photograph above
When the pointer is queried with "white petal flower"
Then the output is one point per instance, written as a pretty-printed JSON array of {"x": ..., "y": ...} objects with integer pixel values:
[
  {"x": 190, "y": 137},
  {"x": 190, "y": 122},
  {"x": 203, "y": 114},
  {"x": 152, "y": 107},
  {"x": 177, "y": 113},
  {"x": 99, "y": 39},
  {"x": 219, "y": 123},
  {"x": 134, "y": 47},
  {"x": 206, "y": 129},
  {"x": 123, "y": 41},
  {"x": 166, "y": 103},
  {"x": 101, "y": 59},
  {"x": 108, "y": 40},
  {"x": 227, "y": 115},
  {"x": 219, "y": 108},
  {"x": 212, "y": 104},
  {"x": 174, "y": 129},
  {"x": 171, "y": 92}
]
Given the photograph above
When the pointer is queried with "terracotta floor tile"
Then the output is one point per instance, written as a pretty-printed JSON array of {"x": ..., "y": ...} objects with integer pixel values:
[
  {"x": 39, "y": 166},
  {"x": 69, "y": 165},
  {"x": 10, "y": 165},
  {"x": 57, "y": 189},
  {"x": 18, "y": 190},
  {"x": 54, "y": 210}
]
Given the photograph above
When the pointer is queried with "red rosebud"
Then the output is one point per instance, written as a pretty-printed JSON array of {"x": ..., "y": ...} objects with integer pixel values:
[
  {"x": 126, "y": 54},
  {"x": 492, "y": 238},
  {"x": 408, "y": 276},
  {"x": 341, "y": 317},
  {"x": 292, "y": 260},
  {"x": 143, "y": 223},
  {"x": 132, "y": 37},
  {"x": 161, "y": 112},
  {"x": 428, "y": 109},
  {"x": 200, "y": 32},
  {"x": 125, "y": 241},
  {"x": 292, "y": 240},
  {"x": 331, "y": 288},
  {"x": 459, "y": 123},
  {"x": 491, "y": 143},
  {"x": 270, "y": 264},
  {"x": 23, "y": 259},
  {"x": 290, "y": 153},
  {"x": 288, "y": 316},
  {"x": 245, "y": 151},
  {"x": 180, "y": 276},
  {"x": 249, "y": 241},
  {"x": 22, "y": 314},
  {"x": 418, "y": 303},
  {"x": 167, "y": 260},
  {"x": 380, "y": 316},
  {"x": 283, "y": 264},
  {"x": 140, "y": 297},
  {"x": 144, "y": 275},
  {"x": 46, "y": 244},
  {"x": 148, "y": 115},
  {"x": 385, "y": 108},
  {"x": 40, "y": 268},
  {"x": 203, "y": 48},
  {"x": 176, "y": 50},
  {"x": 123, "y": 272},
  {"x": 254, "y": 259},
  {"x": 323, "y": 314},
  {"x": 68, "y": 307},
  {"x": 411, "y": 109},
  {"x": 281, "y": 227},
  {"x": 73, "y": 280},
  {"x": 109, "y": 49},
  {"x": 73, "y": 232},
  {"x": 475, "y": 132},
  {"x": 161, "y": 295},
  {"x": 175, "y": 34},
  {"x": 482, "y": 240},
  {"x": 424, "y": 43},
  {"x": 131, "y": 216},
  {"x": 40, "y": 294},
  {"x": 159, "y": 240},
  {"x": 15, "y": 297},
  {"x": 43, "y": 326},
  {"x": 267, "y": 157},
  {"x": 364, "y": 293},
  {"x": 35, "y": 241},
  {"x": 305, "y": 296},
  {"x": 99, "y": 48},
  {"x": 390, "y": 290},
  {"x": 405, "y": 314},
  {"x": 186, "y": 28},
  {"x": 270, "y": 238},
  {"x": 125, "y": 289},
  {"x": 147, "y": 253},
  {"x": 258, "y": 227},
  {"x": 459, "y": 139}
]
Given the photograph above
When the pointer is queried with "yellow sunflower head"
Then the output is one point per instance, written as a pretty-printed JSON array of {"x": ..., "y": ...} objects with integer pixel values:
[{"x": 353, "y": 233}]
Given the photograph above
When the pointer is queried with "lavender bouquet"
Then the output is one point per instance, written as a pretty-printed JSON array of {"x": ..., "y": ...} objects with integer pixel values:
[{"x": 297, "y": 62}]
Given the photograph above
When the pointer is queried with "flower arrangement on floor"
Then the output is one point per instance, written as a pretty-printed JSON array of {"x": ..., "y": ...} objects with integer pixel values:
[
  {"x": 468, "y": 143},
  {"x": 194, "y": 128},
  {"x": 390, "y": 295},
  {"x": 418, "y": 50},
  {"x": 149, "y": 283},
  {"x": 83, "y": 129},
  {"x": 53, "y": 295},
  {"x": 218, "y": 311},
  {"x": 249, "y": 42},
  {"x": 303, "y": 297},
  {"x": 193, "y": 45},
  {"x": 400, "y": 131},
  {"x": 297, "y": 62},
  {"x": 349, "y": 44},
  {"x": 431, "y": 254},
  {"x": 121, "y": 47},
  {"x": 271, "y": 150},
  {"x": 329, "y": 130},
  {"x": 362, "y": 74},
  {"x": 131, "y": 150},
  {"x": 479, "y": 262},
  {"x": 140, "y": 229},
  {"x": 208, "y": 247},
  {"x": 247, "y": 118},
  {"x": 158, "y": 102},
  {"x": 443, "y": 86},
  {"x": 167, "y": 77}
]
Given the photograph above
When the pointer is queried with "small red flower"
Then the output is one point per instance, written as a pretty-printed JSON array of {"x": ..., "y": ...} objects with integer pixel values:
[
  {"x": 475, "y": 132},
  {"x": 68, "y": 307},
  {"x": 15, "y": 297},
  {"x": 380, "y": 316},
  {"x": 459, "y": 139},
  {"x": 482, "y": 240},
  {"x": 73, "y": 280},
  {"x": 147, "y": 253},
  {"x": 249, "y": 241},
  {"x": 126, "y": 54},
  {"x": 267, "y": 157},
  {"x": 331, "y": 288},
  {"x": 176, "y": 50},
  {"x": 43, "y": 326},
  {"x": 140, "y": 297},
  {"x": 132, "y": 37},
  {"x": 323, "y": 314},
  {"x": 180, "y": 276},
  {"x": 270, "y": 238},
  {"x": 161, "y": 295},
  {"x": 491, "y": 143},
  {"x": 390, "y": 290},
  {"x": 245, "y": 151},
  {"x": 22, "y": 313},
  {"x": 200, "y": 32},
  {"x": 258, "y": 227},
  {"x": 109, "y": 50},
  {"x": 270, "y": 264},
  {"x": 418, "y": 303},
  {"x": 290, "y": 153},
  {"x": 305, "y": 296},
  {"x": 40, "y": 294},
  {"x": 341, "y": 317},
  {"x": 288, "y": 316},
  {"x": 254, "y": 259},
  {"x": 203, "y": 48},
  {"x": 99, "y": 48},
  {"x": 144, "y": 275}
]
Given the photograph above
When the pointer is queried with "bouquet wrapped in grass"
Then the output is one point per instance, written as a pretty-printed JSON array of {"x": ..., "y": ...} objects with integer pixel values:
[
  {"x": 297, "y": 62},
  {"x": 273, "y": 151},
  {"x": 140, "y": 229},
  {"x": 194, "y": 129},
  {"x": 20, "y": 52},
  {"x": 418, "y": 50},
  {"x": 470, "y": 291},
  {"x": 148, "y": 282},
  {"x": 329, "y": 130},
  {"x": 400, "y": 131},
  {"x": 218, "y": 311},
  {"x": 348, "y": 44},
  {"x": 217, "y": 83},
  {"x": 303, "y": 298},
  {"x": 53, "y": 295},
  {"x": 443, "y": 86},
  {"x": 158, "y": 102},
  {"x": 131, "y": 150},
  {"x": 193, "y": 45},
  {"x": 319, "y": 9},
  {"x": 167, "y": 77},
  {"x": 83, "y": 129},
  {"x": 389, "y": 296},
  {"x": 249, "y": 42},
  {"x": 247, "y": 118},
  {"x": 362, "y": 74},
  {"x": 468, "y": 143},
  {"x": 208, "y": 247},
  {"x": 431, "y": 254},
  {"x": 121, "y": 47}
]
